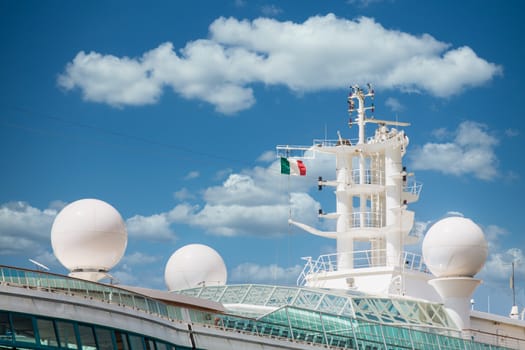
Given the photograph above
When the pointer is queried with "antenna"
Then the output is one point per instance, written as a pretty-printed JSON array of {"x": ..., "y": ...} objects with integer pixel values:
[
  {"x": 514, "y": 310},
  {"x": 39, "y": 265}
]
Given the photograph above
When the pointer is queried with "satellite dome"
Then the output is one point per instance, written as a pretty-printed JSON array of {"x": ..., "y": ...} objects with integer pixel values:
[
  {"x": 195, "y": 265},
  {"x": 89, "y": 235},
  {"x": 455, "y": 247}
]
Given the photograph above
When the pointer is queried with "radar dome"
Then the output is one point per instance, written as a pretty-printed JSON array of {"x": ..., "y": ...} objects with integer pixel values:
[
  {"x": 89, "y": 235},
  {"x": 455, "y": 247},
  {"x": 194, "y": 265}
]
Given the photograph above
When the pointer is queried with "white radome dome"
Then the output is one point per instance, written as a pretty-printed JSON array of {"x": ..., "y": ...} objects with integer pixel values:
[
  {"x": 194, "y": 265},
  {"x": 89, "y": 234},
  {"x": 455, "y": 247}
]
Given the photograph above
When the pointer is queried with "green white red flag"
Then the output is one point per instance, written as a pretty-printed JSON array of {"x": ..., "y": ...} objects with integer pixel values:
[{"x": 293, "y": 167}]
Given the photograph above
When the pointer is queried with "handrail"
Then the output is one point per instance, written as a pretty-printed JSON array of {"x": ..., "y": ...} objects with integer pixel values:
[
  {"x": 361, "y": 259},
  {"x": 370, "y": 177},
  {"x": 368, "y": 219},
  {"x": 74, "y": 286}
]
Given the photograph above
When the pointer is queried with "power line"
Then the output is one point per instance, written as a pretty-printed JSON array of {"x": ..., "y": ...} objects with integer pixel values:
[{"x": 171, "y": 147}]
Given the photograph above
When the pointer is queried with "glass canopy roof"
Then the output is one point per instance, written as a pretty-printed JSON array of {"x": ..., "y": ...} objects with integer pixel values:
[{"x": 262, "y": 300}]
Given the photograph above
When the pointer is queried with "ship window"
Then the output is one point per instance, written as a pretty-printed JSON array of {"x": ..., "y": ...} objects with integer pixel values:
[
  {"x": 163, "y": 346},
  {"x": 104, "y": 339},
  {"x": 5, "y": 328},
  {"x": 122, "y": 341},
  {"x": 150, "y": 344},
  {"x": 136, "y": 342},
  {"x": 24, "y": 331},
  {"x": 66, "y": 335},
  {"x": 87, "y": 338},
  {"x": 46, "y": 332}
]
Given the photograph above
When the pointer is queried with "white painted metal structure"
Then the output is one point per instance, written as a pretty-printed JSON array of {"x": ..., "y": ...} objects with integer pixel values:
[{"x": 372, "y": 190}]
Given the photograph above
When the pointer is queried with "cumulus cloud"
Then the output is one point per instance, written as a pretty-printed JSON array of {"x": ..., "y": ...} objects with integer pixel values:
[
  {"x": 102, "y": 78},
  {"x": 220, "y": 70},
  {"x": 183, "y": 194},
  {"x": 140, "y": 269},
  {"x": 155, "y": 227},
  {"x": 268, "y": 156},
  {"x": 270, "y": 274},
  {"x": 470, "y": 152},
  {"x": 25, "y": 229},
  {"x": 498, "y": 268},
  {"x": 138, "y": 258},
  {"x": 243, "y": 203}
]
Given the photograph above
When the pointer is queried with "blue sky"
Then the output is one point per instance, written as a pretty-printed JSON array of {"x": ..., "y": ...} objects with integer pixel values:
[{"x": 170, "y": 111}]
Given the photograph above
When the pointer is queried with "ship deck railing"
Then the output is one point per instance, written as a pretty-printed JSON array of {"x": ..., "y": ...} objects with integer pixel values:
[{"x": 361, "y": 259}]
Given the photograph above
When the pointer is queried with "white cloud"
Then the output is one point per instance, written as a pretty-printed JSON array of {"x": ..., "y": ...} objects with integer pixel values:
[
  {"x": 440, "y": 133},
  {"x": 192, "y": 175},
  {"x": 140, "y": 259},
  {"x": 112, "y": 80},
  {"x": 241, "y": 189},
  {"x": 24, "y": 229},
  {"x": 272, "y": 274},
  {"x": 155, "y": 227},
  {"x": 471, "y": 152},
  {"x": 301, "y": 56},
  {"x": 256, "y": 202},
  {"x": 271, "y": 10},
  {"x": 442, "y": 75},
  {"x": 493, "y": 234},
  {"x": 240, "y": 3},
  {"x": 222, "y": 174},
  {"x": 362, "y": 3},
  {"x": 394, "y": 104},
  {"x": 498, "y": 268},
  {"x": 268, "y": 156},
  {"x": 140, "y": 269},
  {"x": 512, "y": 132},
  {"x": 183, "y": 194}
]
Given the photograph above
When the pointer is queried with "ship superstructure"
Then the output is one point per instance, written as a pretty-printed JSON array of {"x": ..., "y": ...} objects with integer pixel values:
[{"x": 372, "y": 192}]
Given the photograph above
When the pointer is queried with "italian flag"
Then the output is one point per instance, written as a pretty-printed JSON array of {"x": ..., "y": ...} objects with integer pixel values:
[{"x": 292, "y": 167}]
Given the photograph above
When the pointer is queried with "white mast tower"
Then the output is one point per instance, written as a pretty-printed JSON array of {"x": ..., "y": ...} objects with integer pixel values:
[{"x": 372, "y": 190}]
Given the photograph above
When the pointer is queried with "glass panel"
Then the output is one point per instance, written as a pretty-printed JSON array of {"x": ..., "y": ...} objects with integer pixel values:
[
  {"x": 6, "y": 334},
  {"x": 140, "y": 302},
  {"x": 122, "y": 341},
  {"x": 162, "y": 346},
  {"x": 135, "y": 342},
  {"x": 150, "y": 344},
  {"x": 24, "y": 331},
  {"x": 104, "y": 339},
  {"x": 87, "y": 338},
  {"x": 47, "y": 333},
  {"x": 66, "y": 335}
]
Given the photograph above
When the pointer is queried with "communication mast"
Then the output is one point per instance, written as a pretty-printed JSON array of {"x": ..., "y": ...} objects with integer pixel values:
[{"x": 372, "y": 191}]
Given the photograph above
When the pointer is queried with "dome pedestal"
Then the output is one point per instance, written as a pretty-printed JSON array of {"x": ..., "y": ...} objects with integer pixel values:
[
  {"x": 90, "y": 275},
  {"x": 456, "y": 293}
]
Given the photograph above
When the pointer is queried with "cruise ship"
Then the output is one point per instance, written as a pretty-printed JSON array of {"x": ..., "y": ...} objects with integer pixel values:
[{"x": 379, "y": 297}]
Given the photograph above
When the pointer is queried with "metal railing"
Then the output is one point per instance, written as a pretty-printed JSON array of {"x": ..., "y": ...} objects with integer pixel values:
[
  {"x": 361, "y": 259},
  {"x": 72, "y": 286},
  {"x": 370, "y": 177},
  {"x": 413, "y": 187},
  {"x": 366, "y": 219}
]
